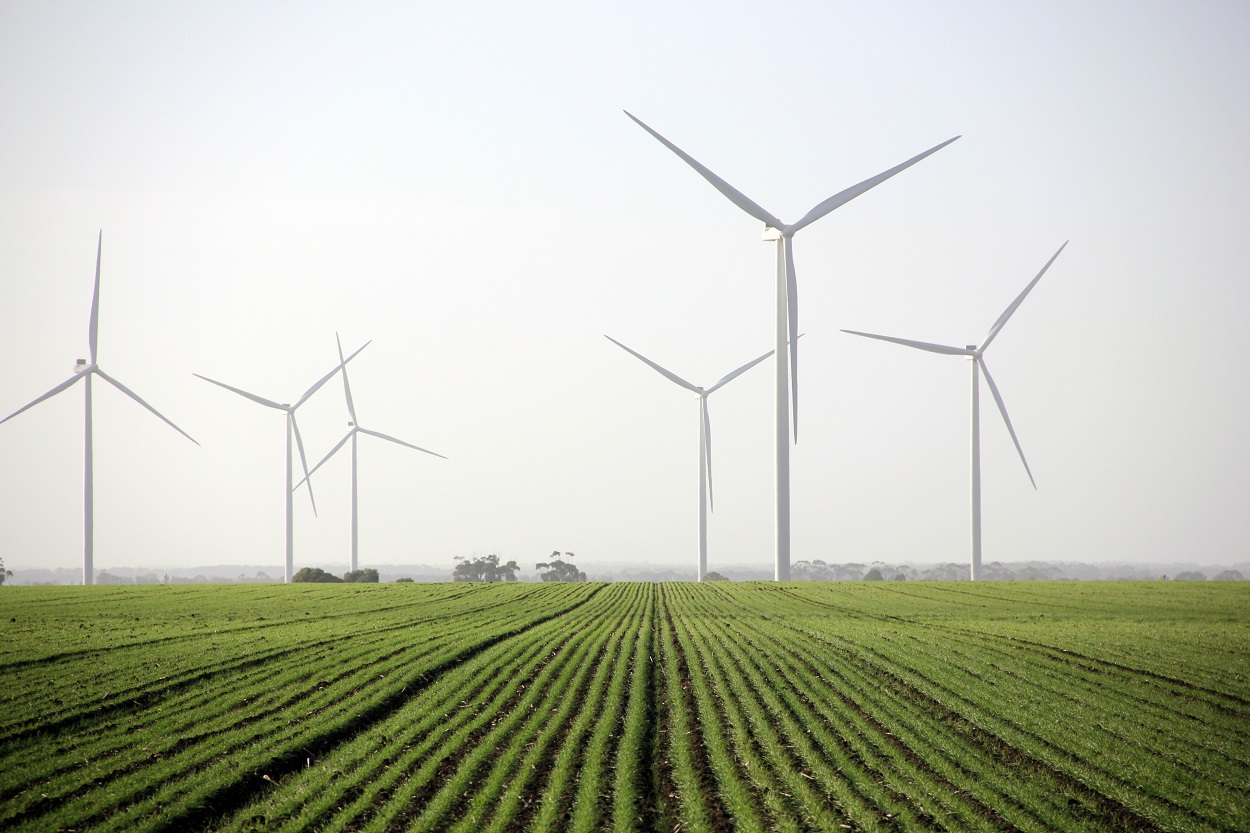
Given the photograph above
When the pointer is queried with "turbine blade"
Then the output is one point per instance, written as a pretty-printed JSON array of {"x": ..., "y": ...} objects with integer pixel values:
[
  {"x": 347, "y": 389},
  {"x": 328, "y": 376},
  {"x": 1002, "y": 319},
  {"x": 303, "y": 461},
  {"x": 707, "y": 451},
  {"x": 673, "y": 377},
  {"x": 792, "y": 305},
  {"x": 268, "y": 403},
  {"x": 67, "y": 383},
  {"x": 138, "y": 399},
  {"x": 1002, "y": 409},
  {"x": 735, "y": 196},
  {"x": 93, "y": 329},
  {"x": 919, "y": 345},
  {"x": 843, "y": 197},
  {"x": 382, "y": 436},
  {"x": 729, "y": 377},
  {"x": 333, "y": 451}
]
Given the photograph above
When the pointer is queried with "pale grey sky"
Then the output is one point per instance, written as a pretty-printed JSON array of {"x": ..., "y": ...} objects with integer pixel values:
[{"x": 458, "y": 183}]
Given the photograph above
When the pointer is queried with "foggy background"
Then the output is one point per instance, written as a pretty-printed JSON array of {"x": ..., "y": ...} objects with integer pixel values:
[{"x": 458, "y": 184}]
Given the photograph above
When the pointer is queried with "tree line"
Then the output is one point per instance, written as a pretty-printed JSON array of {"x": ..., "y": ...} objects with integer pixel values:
[{"x": 558, "y": 567}]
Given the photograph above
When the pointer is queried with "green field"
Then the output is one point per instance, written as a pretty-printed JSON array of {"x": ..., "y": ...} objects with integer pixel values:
[{"x": 806, "y": 706}]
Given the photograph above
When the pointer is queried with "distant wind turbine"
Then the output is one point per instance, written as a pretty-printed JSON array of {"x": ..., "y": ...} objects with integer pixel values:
[
  {"x": 292, "y": 428},
  {"x": 787, "y": 315},
  {"x": 353, "y": 429},
  {"x": 85, "y": 370},
  {"x": 705, "y": 437},
  {"x": 977, "y": 355}
]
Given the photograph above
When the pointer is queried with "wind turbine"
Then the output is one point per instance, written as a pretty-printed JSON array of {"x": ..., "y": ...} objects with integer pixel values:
[
  {"x": 787, "y": 315},
  {"x": 977, "y": 355},
  {"x": 85, "y": 370},
  {"x": 292, "y": 428},
  {"x": 354, "y": 428},
  {"x": 705, "y": 437}
]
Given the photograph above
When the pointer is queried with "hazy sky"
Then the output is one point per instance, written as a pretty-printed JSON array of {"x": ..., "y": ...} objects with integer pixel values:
[{"x": 458, "y": 183}]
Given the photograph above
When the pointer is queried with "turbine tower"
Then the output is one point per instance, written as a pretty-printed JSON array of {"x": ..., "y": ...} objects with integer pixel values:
[
  {"x": 85, "y": 370},
  {"x": 705, "y": 437},
  {"x": 292, "y": 428},
  {"x": 787, "y": 314},
  {"x": 354, "y": 428},
  {"x": 977, "y": 356}
]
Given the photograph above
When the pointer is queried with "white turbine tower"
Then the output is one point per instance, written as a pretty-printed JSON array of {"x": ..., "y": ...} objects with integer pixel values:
[
  {"x": 292, "y": 428},
  {"x": 354, "y": 428},
  {"x": 787, "y": 315},
  {"x": 705, "y": 437},
  {"x": 977, "y": 356},
  {"x": 85, "y": 370}
]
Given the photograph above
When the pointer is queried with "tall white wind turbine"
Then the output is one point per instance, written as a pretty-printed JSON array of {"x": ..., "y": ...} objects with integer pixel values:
[
  {"x": 85, "y": 370},
  {"x": 787, "y": 314},
  {"x": 705, "y": 437},
  {"x": 292, "y": 428},
  {"x": 977, "y": 356},
  {"x": 353, "y": 429}
]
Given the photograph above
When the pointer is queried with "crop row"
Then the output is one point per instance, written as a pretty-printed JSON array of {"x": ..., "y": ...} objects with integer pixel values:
[
  {"x": 170, "y": 753},
  {"x": 959, "y": 727},
  {"x": 631, "y": 707},
  {"x": 531, "y": 734}
]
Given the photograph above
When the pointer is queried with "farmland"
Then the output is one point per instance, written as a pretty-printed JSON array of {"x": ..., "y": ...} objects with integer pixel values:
[{"x": 886, "y": 706}]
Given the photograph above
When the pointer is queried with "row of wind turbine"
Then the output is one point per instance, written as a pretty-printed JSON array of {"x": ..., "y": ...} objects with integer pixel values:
[
  {"x": 292, "y": 429},
  {"x": 85, "y": 369},
  {"x": 786, "y": 402}
]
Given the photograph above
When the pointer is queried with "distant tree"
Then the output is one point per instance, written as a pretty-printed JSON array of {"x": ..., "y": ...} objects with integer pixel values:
[
  {"x": 816, "y": 570},
  {"x": 485, "y": 568},
  {"x": 714, "y": 576},
  {"x": 1034, "y": 571},
  {"x": 848, "y": 572},
  {"x": 558, "y": 569},
  {"x": 404, "y": 579},
  {"x": 1191, "y": 575},
  {"x": 1229, "y": 575},
  {"x": 874, "y": 575},
  {"x": 947, "y": 572},
  {"x": 997, "y": 571},
  {"x": 899, "y": 576},
  {"x": 365, "y": 576},
  {"x": 315, "y": 575},
  {"x": 3, "y": 572}
]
